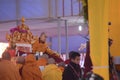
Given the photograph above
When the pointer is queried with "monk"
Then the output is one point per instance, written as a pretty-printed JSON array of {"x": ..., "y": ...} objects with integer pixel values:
[
  {"x": 43, "y": 60},
  {"x": 61, "y": 66},
  {"x": 19, "y": 63},
  {"x": 30, "y": 71},
  {"x": 51, "y": 71},
  {"x": 11, "y": 49},
  {"x": 41, "y": 46},
  {"x": 8, "y": 71}
]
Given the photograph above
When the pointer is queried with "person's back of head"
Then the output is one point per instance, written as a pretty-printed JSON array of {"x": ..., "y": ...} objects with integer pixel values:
[
  {"x": 8, "y": 71},
  {"x": 61, "y": 64},
  {"x": 70, "y": 53},
  {"x": 20, "y": 60},
  {"x": 45, "y": 56},
  {"x": 51, "y": 61},
  {"x": 6, "y": 56},
  {"x": 75, "y": 57},
  {"x": 42, "y": 61}
]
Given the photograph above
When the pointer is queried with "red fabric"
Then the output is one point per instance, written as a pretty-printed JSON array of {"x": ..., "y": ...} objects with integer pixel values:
[
  {"x": 88, "y": 62},
  {"x": 57, "y": 58},
  {"x": 67, "y": 61},
  {"x": 11, "y": 52}
]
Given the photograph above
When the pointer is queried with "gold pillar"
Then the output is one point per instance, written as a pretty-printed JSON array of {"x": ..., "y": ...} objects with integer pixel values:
[{"x": 98, "y": 26}]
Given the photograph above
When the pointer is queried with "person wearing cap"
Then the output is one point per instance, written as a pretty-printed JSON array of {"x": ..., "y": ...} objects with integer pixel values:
[{"x": 51, "y": 71}]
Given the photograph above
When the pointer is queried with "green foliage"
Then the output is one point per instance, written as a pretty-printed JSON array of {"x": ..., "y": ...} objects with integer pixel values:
[{"x": 85, "y": 9}]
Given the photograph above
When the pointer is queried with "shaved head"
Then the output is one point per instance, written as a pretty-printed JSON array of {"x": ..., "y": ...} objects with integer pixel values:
[
  {"x": 6, "y": 56},
  {"x": 51, "y": 61},
  {"x": 20, "y": 60}
]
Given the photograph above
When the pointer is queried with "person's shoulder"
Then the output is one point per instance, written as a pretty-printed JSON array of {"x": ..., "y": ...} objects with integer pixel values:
[
  {"x": 37, "y": 41},
  {"x": 67, "y": 73},
  {"x": 68, "y": 68},
  {"x": 6, "y": 62}
]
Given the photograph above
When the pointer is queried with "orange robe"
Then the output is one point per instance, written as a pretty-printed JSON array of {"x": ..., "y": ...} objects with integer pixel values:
[
  {"x": 41, "y": 47},
  {"x": 8, "y": 71},
  {"x": 30, "y": 70},
  {"x": 61, "y": 68},
  {"x": 42, "y": 62},
  {"x": 11, "y": 52}
]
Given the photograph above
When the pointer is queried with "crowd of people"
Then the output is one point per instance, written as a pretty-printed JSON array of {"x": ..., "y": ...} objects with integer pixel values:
[
  {"x": 48, "y": 66},
  {"x": 45, "y": 68}
]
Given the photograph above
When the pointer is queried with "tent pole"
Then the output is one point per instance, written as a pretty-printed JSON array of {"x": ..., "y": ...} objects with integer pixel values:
[
  {"x": 66, "y": 33},
  {"x": 17, "y": 12},
  {"x": 63, "y": 4},
  {"x": 56, "y": 8},
  {"x": 50, "y": 9},
  {"x": 50, "y": 39},
  {"x": 59, "y": 35}
]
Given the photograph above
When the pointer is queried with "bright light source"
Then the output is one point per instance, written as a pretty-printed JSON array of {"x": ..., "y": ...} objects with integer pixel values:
[
  {"x": 3, "y": 46},
  {"x": 41, "y": 53},
  {"x": 80, "y": 28}
]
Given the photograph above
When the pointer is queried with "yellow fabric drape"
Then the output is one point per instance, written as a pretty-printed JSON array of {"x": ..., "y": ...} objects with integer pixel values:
[
  {"x": 98, "y": 25},
  {"x": 115, "y": 26}
]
